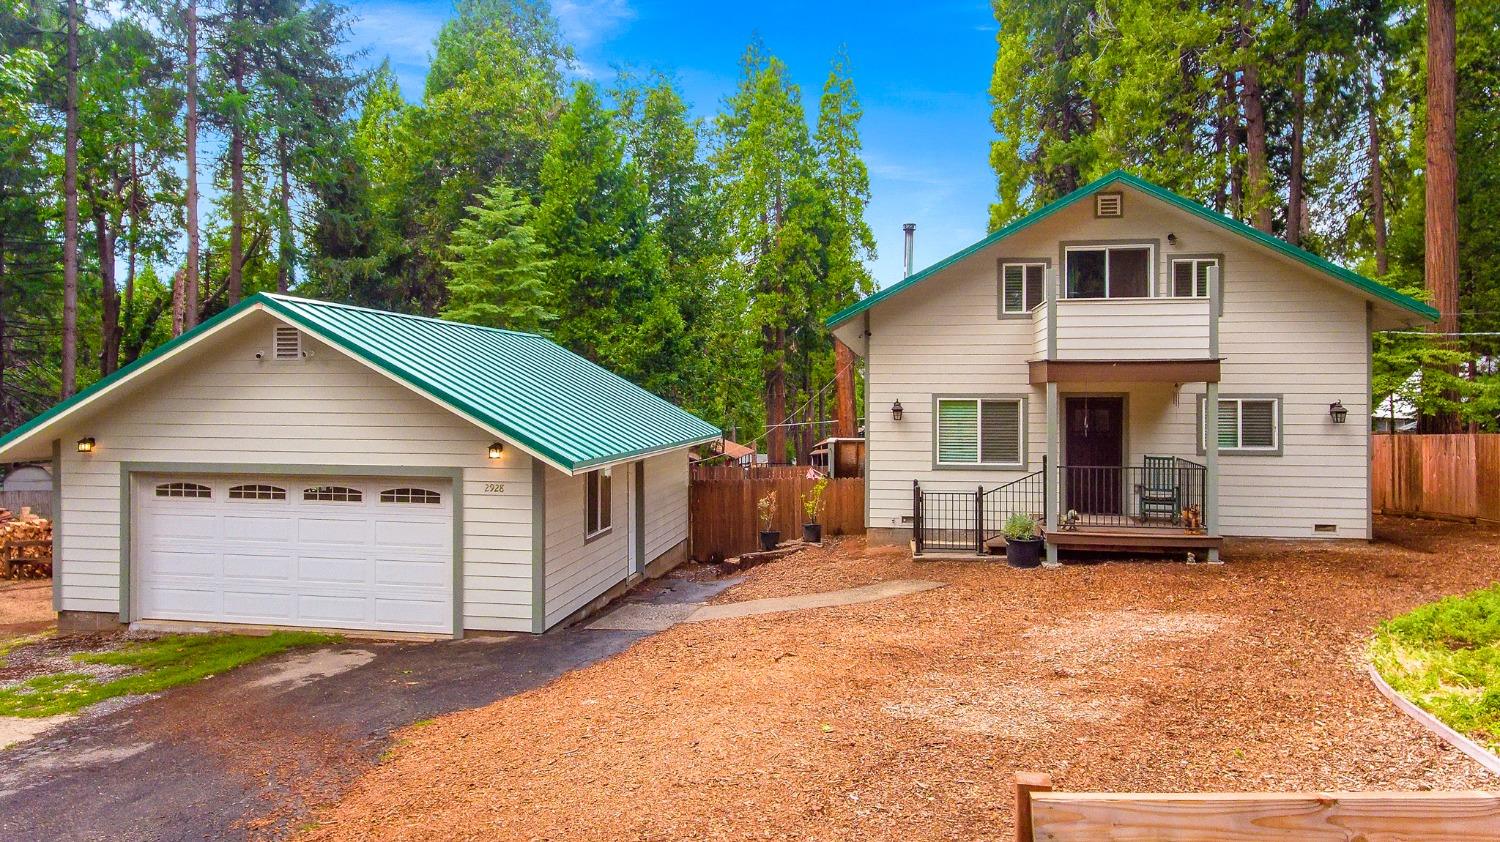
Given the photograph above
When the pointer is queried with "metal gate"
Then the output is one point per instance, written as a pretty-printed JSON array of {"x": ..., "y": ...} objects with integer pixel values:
[{"x": 965, "y": 521}]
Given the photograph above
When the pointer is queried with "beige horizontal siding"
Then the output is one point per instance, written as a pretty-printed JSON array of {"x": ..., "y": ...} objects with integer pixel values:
[
  {"x": 666, "y": 502},
  {"x": 577, "y": 571}
]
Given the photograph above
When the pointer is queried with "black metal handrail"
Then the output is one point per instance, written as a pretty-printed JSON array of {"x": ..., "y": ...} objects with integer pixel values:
[
  {"x": 968, "y": 520},
  {"x": 1024, "y": 496},
  {"x": 1165, "y": 494}
]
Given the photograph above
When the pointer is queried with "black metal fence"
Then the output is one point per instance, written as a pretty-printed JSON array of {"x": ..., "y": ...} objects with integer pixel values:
[
  {"x": 965, "y": 521},
  {"x": 1166, "y": 491}
]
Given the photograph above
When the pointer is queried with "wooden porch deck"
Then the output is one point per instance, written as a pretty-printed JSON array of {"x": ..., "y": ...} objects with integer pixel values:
[{"x": 1127, "y": 538}]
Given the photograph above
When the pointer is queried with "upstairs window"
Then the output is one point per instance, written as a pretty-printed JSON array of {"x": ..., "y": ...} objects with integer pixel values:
[
  {"x": 1109, "y": 271},
  {"x": 979, "y": 431},
  {"x": 1190, "y": 276},
  {"x": 1021, "y": 286},
  {"x": 598, "y": 502}
]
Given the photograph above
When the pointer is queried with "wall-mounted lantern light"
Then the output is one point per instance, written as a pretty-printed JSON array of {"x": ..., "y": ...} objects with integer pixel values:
[
  {"x": 896, "y": 410},
  {"x": 1172, "y": 238},
  {"x": 86, "y": 445},
  {"x": 496, "y": 449},
  {"x": 1337, "y": 412}
]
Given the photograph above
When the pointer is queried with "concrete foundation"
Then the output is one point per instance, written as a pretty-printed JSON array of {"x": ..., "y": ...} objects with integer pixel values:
[
  {"x": 87, "y": 622},
  {"x": 656, "y": 568},
  {"x": 888, "y": 536}
]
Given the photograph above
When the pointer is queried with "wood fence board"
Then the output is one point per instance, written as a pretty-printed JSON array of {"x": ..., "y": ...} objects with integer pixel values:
[
  {"x": 1441, "y": 476},
  {"x": 725, "y": 521},
  {"x": 1237, "y": 817}
]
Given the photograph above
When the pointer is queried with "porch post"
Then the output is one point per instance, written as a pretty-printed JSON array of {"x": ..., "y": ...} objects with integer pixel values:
[
  {"x": 1051, "y": 484},
  {"x": 1211, "y": 465}
]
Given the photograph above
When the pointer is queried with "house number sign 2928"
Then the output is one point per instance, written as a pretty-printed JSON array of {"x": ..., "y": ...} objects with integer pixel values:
[{"x": 494, "y": 488}]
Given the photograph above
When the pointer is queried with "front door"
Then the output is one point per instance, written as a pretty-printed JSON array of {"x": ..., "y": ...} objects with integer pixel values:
[{"x": 1094, "y": 453}]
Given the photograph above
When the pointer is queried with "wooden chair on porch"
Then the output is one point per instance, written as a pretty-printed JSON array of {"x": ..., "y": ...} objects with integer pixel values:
[{"x": 1160, "y": 490}]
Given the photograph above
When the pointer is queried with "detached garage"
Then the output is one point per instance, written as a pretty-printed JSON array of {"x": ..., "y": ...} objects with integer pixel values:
[{"x": 295, "y": 463}]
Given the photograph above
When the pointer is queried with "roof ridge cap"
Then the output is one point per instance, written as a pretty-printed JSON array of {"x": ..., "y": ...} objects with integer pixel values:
[{"x": 283, "y": 298}]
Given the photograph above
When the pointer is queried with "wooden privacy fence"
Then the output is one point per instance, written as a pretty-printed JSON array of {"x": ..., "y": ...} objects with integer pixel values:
[
  {"x": 1442, "y": 476},
  {"x": 1252, "y": 817},
  {"x": 40, "y": 502},
  {"x": 722, "y": 506}
]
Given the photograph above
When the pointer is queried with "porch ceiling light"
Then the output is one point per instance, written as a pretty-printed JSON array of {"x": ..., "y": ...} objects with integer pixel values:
[
  {"x": 496, "y": 449},
  {"x": 1337, "y": 412},
  {"x": 896, "y": 410},
  {"x": 86, "y": 445}
]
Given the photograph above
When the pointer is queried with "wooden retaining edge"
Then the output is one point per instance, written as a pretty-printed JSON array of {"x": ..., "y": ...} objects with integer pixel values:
[{"x": 1484, "y": 758}]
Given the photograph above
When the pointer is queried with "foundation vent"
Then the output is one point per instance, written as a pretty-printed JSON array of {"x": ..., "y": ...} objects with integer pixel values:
[{"x": 1325, "y": 527}]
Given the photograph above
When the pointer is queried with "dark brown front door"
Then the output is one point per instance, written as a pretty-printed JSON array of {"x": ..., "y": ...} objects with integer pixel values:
[{"x": 1094, "y": 453}]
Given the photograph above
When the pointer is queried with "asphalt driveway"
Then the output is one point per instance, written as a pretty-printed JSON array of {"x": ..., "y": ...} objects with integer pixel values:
[{"x": 246, "y": 753}]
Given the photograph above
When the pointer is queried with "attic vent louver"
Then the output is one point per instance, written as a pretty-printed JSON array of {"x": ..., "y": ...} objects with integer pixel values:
[
  {"x": 1109, "y": 205},
  {"x": 288, "y": 343}
]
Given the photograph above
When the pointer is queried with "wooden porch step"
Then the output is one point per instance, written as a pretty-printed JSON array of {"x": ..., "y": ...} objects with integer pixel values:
[{"x": 1132, "y": 539}]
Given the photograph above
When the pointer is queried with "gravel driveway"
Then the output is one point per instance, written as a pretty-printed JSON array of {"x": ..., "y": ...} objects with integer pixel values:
[{"x": 907, "y": 718}]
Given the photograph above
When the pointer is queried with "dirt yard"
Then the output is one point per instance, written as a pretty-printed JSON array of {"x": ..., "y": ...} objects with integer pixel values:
[
  {"x": 25, "y": 607},
  {"x": 907, "y": 719}
]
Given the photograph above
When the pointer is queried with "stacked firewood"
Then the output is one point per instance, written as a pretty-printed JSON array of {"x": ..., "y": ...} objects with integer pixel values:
[{"x": 25, "y": 545}]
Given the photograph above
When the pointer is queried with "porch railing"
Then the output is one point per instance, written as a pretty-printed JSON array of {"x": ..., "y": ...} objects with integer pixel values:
[
  {"x": 965, "y": 521},
  {"x": 1168, "y": 492}
]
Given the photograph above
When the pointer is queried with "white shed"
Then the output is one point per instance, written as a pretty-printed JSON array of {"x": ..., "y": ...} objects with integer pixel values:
[{"x": 296, "y": 463}]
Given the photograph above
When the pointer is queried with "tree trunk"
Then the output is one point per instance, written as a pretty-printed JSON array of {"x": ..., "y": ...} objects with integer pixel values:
[
  {"x": 1296, "y": 204},
  {"x": 846, "y": 425},
  {"x": 1442, "y": 178},
  {"x": 236, "y": 283},
  {"x": 776, "y": 396},
  {"x": 109, "y": 295},
  {"x": 185, "y": 300},
  {"x": 1253, "y": 104},
  {"x": 285, "y": 271},
  {"x": 132, "y": 209},
  {"x": 1377, "y": 185},
  {"x": 179, "y": 289},
  {"x": 69, "y": 368}
]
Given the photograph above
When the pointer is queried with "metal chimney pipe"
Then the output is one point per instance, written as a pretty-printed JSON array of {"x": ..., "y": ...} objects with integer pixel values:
[{"x": 911, "y": 232}]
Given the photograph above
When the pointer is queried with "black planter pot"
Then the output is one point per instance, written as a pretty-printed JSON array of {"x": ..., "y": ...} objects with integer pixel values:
[
  {"x": 1027, "y": 553},
  {"x": 769, "y": 540},
  {"x": 812, "y": 533}
]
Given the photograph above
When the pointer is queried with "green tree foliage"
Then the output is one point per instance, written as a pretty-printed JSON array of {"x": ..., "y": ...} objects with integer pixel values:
[{"x": 499, "y": 268}]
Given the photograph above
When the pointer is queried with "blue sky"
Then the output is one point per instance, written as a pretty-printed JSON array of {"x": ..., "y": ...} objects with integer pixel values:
[{"x": 922, "y": 71}]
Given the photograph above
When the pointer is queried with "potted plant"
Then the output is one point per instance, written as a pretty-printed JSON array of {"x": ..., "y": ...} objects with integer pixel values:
[
  {"x": 769, "y": 537},
  {"x": 812, "y": 506},
  {"x": 1022, "y": 546}
]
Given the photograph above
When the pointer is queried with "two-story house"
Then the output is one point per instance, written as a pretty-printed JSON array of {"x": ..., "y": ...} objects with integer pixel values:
[{"x": 1075, "y": 364}]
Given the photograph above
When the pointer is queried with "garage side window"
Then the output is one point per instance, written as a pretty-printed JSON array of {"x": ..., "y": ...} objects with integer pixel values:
[
  {"x": 410, "y": 495},
  {"x": 332, "y": 494},
  {"x": 256, "y": 492},
  {"x": 190, "y": 490},
  {"x": 597, "y": 522}
]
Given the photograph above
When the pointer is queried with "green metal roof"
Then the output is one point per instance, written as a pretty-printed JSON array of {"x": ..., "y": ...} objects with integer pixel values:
[
  {"x": 1307, "y": 258},
  {"x": 528, "y": 389}
]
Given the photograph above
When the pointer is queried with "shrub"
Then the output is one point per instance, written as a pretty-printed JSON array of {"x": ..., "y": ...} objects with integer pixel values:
[
  {"x": 1019, "y": 527},
  {"x": 813, "y": 503}
]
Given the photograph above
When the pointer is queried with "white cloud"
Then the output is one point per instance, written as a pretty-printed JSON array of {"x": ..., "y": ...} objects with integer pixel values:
[
  {"x": 401, "y": 31},
  {"x": 585, "y": 23}
]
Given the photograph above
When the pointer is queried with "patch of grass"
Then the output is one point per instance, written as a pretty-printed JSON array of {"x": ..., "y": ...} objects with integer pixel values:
[
  {"x": 1445, "y": 656},
  {"x": 159, "y": 664}
]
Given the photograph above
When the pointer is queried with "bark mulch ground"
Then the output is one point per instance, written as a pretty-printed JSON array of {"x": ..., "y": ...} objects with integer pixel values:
[
  {"x": 906, "y": 719},
  {"x": 25, "y": 607}
]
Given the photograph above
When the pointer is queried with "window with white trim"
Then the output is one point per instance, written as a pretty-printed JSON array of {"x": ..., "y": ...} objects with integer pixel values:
[
  {"x": 1246, "y": 425},
  {"x": 1110, "y": 271},
  {"x": 597, "y": 507},
  {"x": 256, "y": 491},
  {"x": 188, "y": 490},
  {"x": 979, "y": 431},
  {"x": 332, "y": 494},
  {"x": 1021, "y": 286},
  {"x": 1190, "y": 276}
]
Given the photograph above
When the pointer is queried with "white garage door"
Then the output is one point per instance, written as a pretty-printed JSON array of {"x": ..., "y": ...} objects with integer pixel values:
[{"x": 327, "y": 552}]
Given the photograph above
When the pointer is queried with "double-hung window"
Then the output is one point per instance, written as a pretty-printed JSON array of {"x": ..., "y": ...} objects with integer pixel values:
[
  {"x": 1021, "y": 285},
  {"x": 1190, "y": 276},
  {"x": 597, "y": 508},
  {"x": 1109, "y": 271},
  {"x": 1246, "y": 425},
  {"x": 979, "y": 431}
]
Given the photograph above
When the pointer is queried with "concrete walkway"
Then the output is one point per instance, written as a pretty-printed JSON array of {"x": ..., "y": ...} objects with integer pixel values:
[{"x": 647, "y": 617}]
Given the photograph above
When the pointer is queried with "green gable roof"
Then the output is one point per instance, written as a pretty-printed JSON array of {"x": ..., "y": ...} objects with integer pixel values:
[
  {"x": 1276, "y": 244},
  {"x": 526, "y": 388}
]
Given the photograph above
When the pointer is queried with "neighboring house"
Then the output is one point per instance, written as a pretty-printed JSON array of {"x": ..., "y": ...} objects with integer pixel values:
[
  {"x": 298, "y": 463},
  {"x": 1396, "y": 412},
  {"x": 1099, "y": 337},
  {"x": 27, "y": 478}
]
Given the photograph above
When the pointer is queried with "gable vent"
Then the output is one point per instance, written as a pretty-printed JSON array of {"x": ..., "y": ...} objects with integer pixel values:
[
  {"x": 1109, "y": 205},
  {"x": 288, "y": 343}
]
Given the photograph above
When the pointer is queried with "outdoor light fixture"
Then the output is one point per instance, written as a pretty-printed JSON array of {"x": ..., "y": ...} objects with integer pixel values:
[
  {"x": 1172, "y": 238},
  {"x": 86, "y": 445},
  {"x": 896, "y": 410},
  {"x": 496, "y": 449},
  {"x": 1337, "y": 412}
]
